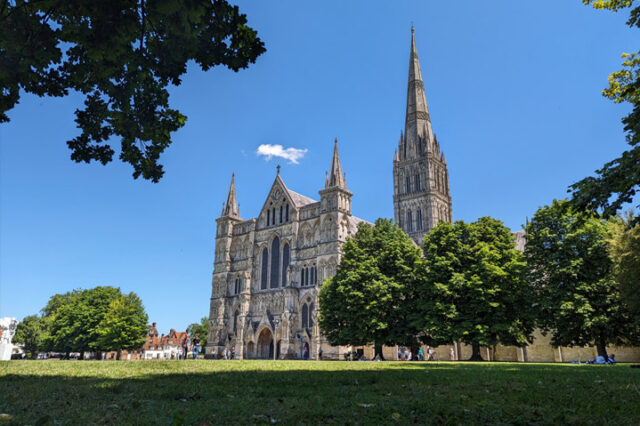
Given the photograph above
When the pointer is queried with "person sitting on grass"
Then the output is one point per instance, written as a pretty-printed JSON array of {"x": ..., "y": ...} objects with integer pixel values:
[{"x": 612, "y": 359}]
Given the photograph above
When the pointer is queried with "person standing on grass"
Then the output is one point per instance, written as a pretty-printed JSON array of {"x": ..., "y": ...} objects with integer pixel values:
[
  {"x": 196, "y": 346},
  {"x": 452, "y": 355},
  {"x": 420, "y": 355},
  {"x": 320, "y": 354},
  {"x": 399, "y": 354},
  {"x": 185, "y": 346}
]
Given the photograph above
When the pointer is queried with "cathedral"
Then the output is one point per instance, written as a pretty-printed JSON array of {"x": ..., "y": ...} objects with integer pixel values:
[{"x": 268, "y": 269}]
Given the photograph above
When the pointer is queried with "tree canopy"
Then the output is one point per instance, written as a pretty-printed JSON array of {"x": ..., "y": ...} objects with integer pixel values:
[
  {"x": 121, "y": 55},
  {"x": 367, "y": 300},
  {"x": 30, "y": 332},
  {"x": 624, "y": 247},
  {"x": 94, "y": 319},
  {"x": 569, "y": 266},
  {"x": 471, "y": 287},
  {"x": 124, "y": 325},
  {"x": 617, "y": 182}
]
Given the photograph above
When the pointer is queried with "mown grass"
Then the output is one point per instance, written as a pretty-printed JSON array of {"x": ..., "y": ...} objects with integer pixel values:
[{"x": 298, "y": 392}]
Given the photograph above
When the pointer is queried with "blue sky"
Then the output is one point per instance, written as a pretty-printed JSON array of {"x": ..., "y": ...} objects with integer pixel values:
[{"x": 514, "y": 95}]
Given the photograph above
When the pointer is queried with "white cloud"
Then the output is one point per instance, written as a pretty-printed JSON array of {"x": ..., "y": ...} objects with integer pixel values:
[{"x": 291, "y": 154}]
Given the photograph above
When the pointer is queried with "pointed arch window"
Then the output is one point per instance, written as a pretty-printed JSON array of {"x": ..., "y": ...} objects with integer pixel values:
[
  {"x": 275, "y": 262},
  {"x": 285, "y": 264},
  {"x": 409, "y": 221},
  {"x": 268, "y": 217},
  {"x": 286, "y": 210},
  {"x": 417, "y": 181},
  {"x": 310, "y": 320},
  {"x": 419, "y": 219},
  {"x": 235, "y": 322},
  {"x": 305, "y": 316},
  {"x": 407, "y": 180},
  {"x": 264, "y": 269},
  {"x": 281, "y": 211}
]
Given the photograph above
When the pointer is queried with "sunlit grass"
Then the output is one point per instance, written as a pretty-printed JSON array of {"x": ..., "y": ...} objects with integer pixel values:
[{"x": 292, "y": 392}]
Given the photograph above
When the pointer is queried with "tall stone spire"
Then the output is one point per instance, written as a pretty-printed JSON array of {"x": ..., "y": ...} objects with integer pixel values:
[
  {"x": 230, "y": 208},
  {"x": 418, "y": 133},
  {"x": 421, "y": 196},
  {"x": 336, "y": 177}
]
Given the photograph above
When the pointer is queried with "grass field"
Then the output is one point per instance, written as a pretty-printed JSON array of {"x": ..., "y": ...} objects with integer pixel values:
[{"x": 299, "y": 392}]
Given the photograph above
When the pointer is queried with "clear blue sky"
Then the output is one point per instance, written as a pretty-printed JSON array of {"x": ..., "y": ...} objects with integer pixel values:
[{"x": 514, "y": 94}]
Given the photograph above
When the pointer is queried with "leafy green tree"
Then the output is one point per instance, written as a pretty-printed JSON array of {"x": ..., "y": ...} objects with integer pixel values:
[
  {"x": 124, "y": 326},
  {"x": 73, "y": 324},
  {"x": 471, "y": 287},
  {"x": 368, "y": 299},
  {"x": 569, "y": 266},
  {"x": 122, "y": 55},
  {"x": 30, "y": 333},
  {"x": 624, "y": 248},
  {"x": 617, "y": 182},
  {"x": 201, "y": 329}
]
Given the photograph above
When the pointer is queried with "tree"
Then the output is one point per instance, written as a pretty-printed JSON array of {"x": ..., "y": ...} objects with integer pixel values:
[
  {"x": 617, "y": 182},
  {"x": 202, "y": 329},
  {"x": 624, "y": 249},
  {"x": 30, "y": 333},
  {"x": 367, "y": 300},
  {"x": 471, "y": 287},
  {"x": 121, "y": 55},
  {"x": 72, "y": 325},
  {"x": 124, "y": 326},
  {"x": 569, "y": 266}
]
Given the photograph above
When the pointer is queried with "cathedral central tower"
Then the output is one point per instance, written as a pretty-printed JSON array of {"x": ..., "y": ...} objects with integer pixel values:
[{"x": 420, "y": 177}]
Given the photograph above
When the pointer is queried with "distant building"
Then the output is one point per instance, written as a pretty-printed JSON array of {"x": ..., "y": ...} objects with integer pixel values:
[{"x": 164, "y": 346}]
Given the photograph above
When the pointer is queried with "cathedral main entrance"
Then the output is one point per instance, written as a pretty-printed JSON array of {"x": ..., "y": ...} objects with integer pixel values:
[{"x": 265, "y": 345}]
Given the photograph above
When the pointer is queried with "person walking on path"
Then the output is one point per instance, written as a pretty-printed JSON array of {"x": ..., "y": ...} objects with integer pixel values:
[{"x": 196, "y": 346}]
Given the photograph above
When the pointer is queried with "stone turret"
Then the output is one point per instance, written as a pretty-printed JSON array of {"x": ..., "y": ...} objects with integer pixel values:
[{"x": 335, "y": 195}]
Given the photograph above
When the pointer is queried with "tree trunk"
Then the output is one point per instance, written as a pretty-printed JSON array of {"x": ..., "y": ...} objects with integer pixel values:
[
  {"x": 475, "y": 352},
  {"x": 602, "y": 349},
  {"x": 119, "y": 355},
  {"x": 378, "y": 351}
]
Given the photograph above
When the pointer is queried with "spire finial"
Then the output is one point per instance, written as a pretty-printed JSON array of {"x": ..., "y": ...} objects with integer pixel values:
[
  {"x": 230, "y": 208},
  {"x": 278, "y": 168},
  {"x": 336, "y": 177}
]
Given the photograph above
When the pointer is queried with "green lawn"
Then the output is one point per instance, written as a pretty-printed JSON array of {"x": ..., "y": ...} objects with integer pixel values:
[{"x": 298, "y": 392}]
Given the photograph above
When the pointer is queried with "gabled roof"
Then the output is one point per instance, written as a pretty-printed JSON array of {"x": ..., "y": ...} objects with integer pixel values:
[{"x": 299, "y": 200}]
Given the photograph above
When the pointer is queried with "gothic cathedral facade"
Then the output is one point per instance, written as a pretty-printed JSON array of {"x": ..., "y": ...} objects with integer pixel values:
[{"x": 268, "y": 269}]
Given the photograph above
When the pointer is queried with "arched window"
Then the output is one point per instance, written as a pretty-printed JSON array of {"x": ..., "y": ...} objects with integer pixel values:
[
  {"x": 302, "y": 276},
  {"x": 306, "y": 276},
  {"x": 281, "y": 209},
  {"x": 268, "y": 217},
  {"x": 408, "y": 183},
  {"x": 273, "y": 216},
  {"x": 409, "y": 221},
  {"x": 265, "y": 268},
  {"x": 305, "y": 316},
  {"x": 310, "y": 315},
  {"x": 275, "y": 262},
  {"x": 235, "y": 322},
  {"x": 418, "y": 182},
  {"x": 419, "y": 220},
  {"x": 285, "y": 264},
  {"x": 287, "y": 213}
]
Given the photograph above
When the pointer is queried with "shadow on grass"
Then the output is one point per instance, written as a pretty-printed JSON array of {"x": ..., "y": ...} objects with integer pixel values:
[{"x": 211, "y": 392}]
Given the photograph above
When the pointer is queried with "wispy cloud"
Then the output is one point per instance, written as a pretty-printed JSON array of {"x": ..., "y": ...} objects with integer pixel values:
[{"x": 291, "y": 154}]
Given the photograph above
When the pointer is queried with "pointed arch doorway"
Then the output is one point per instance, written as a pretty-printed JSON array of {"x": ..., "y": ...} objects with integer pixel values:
[{"x": 265, "y": 345}]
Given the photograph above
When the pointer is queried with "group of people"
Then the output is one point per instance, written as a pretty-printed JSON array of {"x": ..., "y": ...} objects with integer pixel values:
[
  {"x": 611, "y": 359},
  {"x": 195, "y": 344},
  {"x": 405, "y": 354}
]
